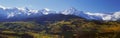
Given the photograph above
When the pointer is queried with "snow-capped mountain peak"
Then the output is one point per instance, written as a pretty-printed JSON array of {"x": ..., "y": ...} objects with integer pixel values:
[
  {"x": 15, "y": 12},
  {"x": 69, "y": 11},
  {"x": 3, "y": 7},
  {"x": 46, "y": 9}
]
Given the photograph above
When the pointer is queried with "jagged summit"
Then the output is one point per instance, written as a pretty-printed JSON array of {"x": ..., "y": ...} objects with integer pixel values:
[{"x": 69, "y": 11}]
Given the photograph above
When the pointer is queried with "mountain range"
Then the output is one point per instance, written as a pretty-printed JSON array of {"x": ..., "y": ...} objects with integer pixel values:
[{"x": 25, "y": 13}]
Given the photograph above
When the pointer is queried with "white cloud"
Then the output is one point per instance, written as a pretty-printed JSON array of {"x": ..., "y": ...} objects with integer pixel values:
[
  {"x": 96, "y": 14},
  {"x": 115, "y": 16}
]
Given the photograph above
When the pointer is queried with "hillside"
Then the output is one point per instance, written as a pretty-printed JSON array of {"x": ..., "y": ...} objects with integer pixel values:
[{"x": 73, "y": 28}]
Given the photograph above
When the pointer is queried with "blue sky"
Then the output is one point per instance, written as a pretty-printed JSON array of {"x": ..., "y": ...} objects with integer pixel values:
[{"x": 58, "y": 5}]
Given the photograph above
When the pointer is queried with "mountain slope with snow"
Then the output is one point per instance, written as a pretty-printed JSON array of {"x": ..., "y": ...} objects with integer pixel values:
[{"x": 22, "y": 13}]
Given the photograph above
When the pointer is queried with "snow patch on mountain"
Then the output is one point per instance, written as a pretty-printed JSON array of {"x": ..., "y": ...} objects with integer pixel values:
[{"x": 10, "y": 15}]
